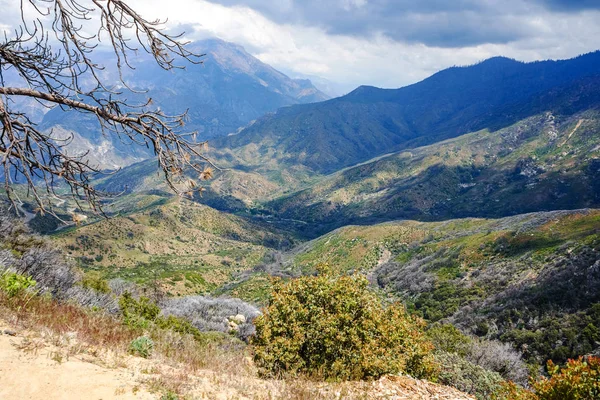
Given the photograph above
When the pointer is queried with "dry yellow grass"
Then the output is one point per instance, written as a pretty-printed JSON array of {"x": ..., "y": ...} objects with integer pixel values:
[{"x": 64, "y": 350}]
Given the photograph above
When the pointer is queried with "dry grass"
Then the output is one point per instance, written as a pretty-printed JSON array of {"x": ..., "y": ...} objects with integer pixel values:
[
  {"x": 181, "y": 366},
  {"x": 72, "y": 330},
  {"x": 60, "y": 319}
]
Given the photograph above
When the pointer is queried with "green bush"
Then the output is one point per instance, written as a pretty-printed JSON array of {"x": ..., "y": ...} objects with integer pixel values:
[
  {"x": 14, "y": 284},
  {"x": 145, "y": 314},
  {"x": 466, "y": 376},
  {"x": 96, "y": 283},
  {"x": 141, "y": 346},
  {"x": 169, "y": 396},
  {"x": 138, "y": 313},
  {"x": 578, "y": 380},
  {"x": 448, "y": 338},
  {"x": 330, "y": 327},
  {"x": 512, "y": 391}
]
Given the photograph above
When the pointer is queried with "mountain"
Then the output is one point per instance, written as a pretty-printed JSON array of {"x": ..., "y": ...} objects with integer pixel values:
[
  {"x": 370, "y": 122},
  {"x": 227, "y": 91},
  {"x": 508, "y": 138},
  {"x": 188, "y": 247},
  {"x": 544, "y": 162}
]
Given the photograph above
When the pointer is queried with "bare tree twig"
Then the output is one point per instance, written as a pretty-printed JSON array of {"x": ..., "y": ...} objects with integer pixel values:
[{"x": 55, "y": 67}]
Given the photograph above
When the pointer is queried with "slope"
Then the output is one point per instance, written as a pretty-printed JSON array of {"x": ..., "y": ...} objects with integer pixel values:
[
  {"x": 229, "y": 90},
  {"x": 530, "y": 279},
  {"x": 185, "y": 247},
  {"x": 545, "y": 162},
  {"x": 369, "y": 122}
]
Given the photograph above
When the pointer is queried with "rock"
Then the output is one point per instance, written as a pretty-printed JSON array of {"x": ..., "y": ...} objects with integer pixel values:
[
  {"x": 237, "y": 319},
  {"x": 233, "y": 327}
]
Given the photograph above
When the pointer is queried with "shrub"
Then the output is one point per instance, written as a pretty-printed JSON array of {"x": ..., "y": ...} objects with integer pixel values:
[
  {"x": 145, "y": 314},
  {"x": 179, "y": 325},
  {"x": 138, "y": 313},
  {"x": 578, "y": 380},
  {"x": 211, "y": 314},
  {"x": 499, "y": 357},
  {"x": 335, "y": 328},
  {"x": 512, "y": 391},
  {"x": 448, "y": 338},
  {"x": 35, "y": 257},
  {"x": 141, "y": 346},
  {"x": 96, "y": 283},
  {"x": 457, "y": 372},
  {"x": 14, "y": 284}
]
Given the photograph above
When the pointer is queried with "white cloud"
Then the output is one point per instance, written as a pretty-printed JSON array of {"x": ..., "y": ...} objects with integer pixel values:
[{"x": 376, "y": 60}]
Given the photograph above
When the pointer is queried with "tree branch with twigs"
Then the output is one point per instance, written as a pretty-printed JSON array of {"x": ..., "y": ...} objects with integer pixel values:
[{"x": 51, "y": 57}]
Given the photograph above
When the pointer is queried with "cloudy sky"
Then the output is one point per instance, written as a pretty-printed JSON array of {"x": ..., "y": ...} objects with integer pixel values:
[{"x": 386, "y": 43}]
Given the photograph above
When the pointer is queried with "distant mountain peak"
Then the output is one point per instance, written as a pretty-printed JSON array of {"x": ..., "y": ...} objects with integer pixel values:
[{"x": 225, "y": 93}]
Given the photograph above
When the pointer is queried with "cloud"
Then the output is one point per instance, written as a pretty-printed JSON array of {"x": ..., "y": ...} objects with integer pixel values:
[
  {"x": 571, "y": 5},
  {"x": 439, "y": 23},
  {"x": 380, "y": 42}
]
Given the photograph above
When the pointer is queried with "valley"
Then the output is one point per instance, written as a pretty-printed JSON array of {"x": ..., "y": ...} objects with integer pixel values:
[
  {"x": 265, "y": 210},
  {"x": 471, "y": 198}
]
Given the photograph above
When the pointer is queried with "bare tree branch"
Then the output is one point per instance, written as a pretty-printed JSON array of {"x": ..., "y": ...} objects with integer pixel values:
[{"x": 55, "y": 67}]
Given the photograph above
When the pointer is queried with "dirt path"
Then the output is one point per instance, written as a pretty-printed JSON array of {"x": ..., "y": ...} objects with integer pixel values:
[
  {"x": 572, "y": 132},
  {"x": 29, "y": 370},
  {"x": 36, "y": 375}
]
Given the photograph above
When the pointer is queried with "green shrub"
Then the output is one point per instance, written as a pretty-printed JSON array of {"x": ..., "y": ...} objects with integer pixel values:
[
  {"x": 169, "y": 396},
  {"x": 336, "y": 328},
  {"x": 448, "y": 338},
  {"x": 96, "y": 283},
  {"x": 180, "y": 325},
  {"x": 578, "y": 380},
  {"x": 141, "y": 346},
  {"x": 512, "y": 391},
  {"x": 145, "y": 314},
  {"x": 466, "y": 376},
  {"x": 138, "y": 313},
  {"x": 14, "y": 284}
]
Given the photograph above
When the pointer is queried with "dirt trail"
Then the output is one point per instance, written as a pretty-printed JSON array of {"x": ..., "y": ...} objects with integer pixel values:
[
  {"x": 572, "y": 132},
  {"x": 35, "y": 375}
]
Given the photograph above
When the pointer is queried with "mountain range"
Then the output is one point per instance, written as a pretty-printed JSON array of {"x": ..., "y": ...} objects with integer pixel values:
[
  {"x": 229, "y": 90},
  {"x": 471, "y": 196},
  {"x": 370, "y": 122},
  {"x": 497, "y": 138}
]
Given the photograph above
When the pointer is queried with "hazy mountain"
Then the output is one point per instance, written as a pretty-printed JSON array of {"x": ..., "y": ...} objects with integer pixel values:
[
  {"x": 370, "y": 122},
  {"x": 227, "y": 91}
]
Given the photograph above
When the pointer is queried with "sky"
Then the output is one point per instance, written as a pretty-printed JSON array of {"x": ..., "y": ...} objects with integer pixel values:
[{"x": 385, "y": 43}]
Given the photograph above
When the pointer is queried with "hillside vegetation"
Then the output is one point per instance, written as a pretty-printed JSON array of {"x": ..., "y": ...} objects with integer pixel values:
[
  {"x": 184, "y": 246},
  {"x": 471, "y": 198},
  {"x": 74, "y": 329},
  {"x": 530, "y": 280},
  {"x": 371, "y": 122},
  {"x": 545, "y": 162}
]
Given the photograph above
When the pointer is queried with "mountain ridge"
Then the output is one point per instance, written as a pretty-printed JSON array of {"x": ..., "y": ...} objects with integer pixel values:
[
  {"x": 370, "y": 121},
  {"x": 229, "y": 90}
]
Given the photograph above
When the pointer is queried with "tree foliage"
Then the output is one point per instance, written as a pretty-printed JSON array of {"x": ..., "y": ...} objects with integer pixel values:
[
  {"x": 579, "y": 379},
  {"x": 336, "y": 328}
]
